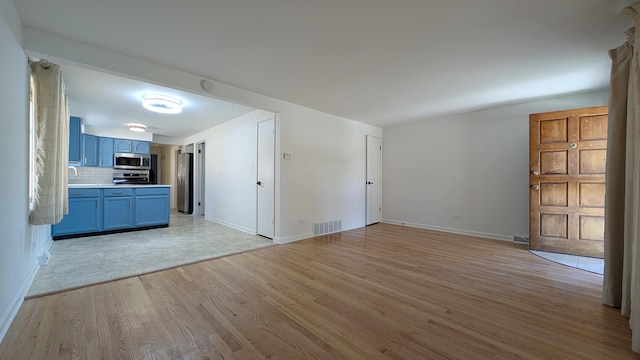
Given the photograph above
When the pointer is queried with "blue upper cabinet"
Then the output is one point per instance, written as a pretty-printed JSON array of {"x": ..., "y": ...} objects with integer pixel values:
[
  {"x": 90, "y": 150},
  {"x": 75, "y": 129},
  {"x": 122, "y": 145},
  {"x": 105, "y": 147},
  {"x": 141, "y": 147}
]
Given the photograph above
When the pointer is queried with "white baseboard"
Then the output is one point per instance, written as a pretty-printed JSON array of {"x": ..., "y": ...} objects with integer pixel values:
[
  {"x": 12, "y": 310},
  {"x": 450, "y": 230},
  {"x": 233, "y": 226},
  {"x": 294, "y": 238}
]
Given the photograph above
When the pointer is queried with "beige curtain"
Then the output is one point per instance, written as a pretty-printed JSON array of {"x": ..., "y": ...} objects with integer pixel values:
[{"x": 51, "y": 145}]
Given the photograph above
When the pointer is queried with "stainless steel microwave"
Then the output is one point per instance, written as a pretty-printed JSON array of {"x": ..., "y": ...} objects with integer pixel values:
[{"x": 131, "y": 161}]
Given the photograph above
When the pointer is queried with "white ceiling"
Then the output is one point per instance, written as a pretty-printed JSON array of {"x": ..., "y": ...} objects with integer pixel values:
[
  {"x": 374, "y": 61},
  {"x": 109, "y": 102}
]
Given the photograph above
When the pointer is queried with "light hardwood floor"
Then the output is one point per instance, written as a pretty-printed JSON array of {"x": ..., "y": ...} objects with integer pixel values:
[{"x": 381, "y": 292}]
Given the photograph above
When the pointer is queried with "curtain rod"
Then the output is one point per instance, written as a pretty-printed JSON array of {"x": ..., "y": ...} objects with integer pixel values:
[{"x": 43, "y": 62}]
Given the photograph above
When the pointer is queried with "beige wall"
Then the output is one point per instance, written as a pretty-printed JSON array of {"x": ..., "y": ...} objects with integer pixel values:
[{"x": 166, "y": 167}]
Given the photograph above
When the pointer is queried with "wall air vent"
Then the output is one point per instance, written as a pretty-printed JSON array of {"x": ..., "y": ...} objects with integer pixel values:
[{"x": 328, "y": 227}]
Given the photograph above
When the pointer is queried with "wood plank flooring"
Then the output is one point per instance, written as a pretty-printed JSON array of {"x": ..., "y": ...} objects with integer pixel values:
[{"x": 380, "y": 292}]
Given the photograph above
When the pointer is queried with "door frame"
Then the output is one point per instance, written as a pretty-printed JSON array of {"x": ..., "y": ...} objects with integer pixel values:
[
  {"x": 367, "y": 180},
  {"x": 200, "y": 178},
  {"x": 273, "y": 185}
]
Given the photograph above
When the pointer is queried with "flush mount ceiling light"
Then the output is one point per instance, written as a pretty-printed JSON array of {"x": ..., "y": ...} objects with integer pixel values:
[
  {"x": 162, "y": 104},
  {"x": 137, "y": 127}
]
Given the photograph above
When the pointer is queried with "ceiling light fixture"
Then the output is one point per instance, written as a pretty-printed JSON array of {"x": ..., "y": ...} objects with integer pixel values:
[
  {"x": 162, "y": 104},
  {"x": 137, "y": 127}
]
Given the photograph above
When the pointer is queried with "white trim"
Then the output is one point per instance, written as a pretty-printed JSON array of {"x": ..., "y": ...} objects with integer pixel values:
[
  {"x": 450, "y": 230},
  {"x": 233, "y": 226},
  {"x": 290, "y": 239},
  {"x": 12, "y": 310}
]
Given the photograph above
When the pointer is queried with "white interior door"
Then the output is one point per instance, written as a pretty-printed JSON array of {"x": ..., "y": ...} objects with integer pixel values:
[
  {"x": 265, "y": 178},
  {"x": 200, "y": 179},
  {"x": 374, "y": 180}
]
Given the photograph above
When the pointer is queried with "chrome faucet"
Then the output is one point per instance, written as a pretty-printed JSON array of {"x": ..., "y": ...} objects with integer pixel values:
[{"x": 75, "y": 171}]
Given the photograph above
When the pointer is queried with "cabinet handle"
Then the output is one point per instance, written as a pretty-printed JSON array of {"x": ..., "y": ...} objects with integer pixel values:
[
  {"x": 129, "y": 202},
  {"x": 76, "y": 193},
  {"x": 117, "y": 192},
  {"x": 96, "y": 204}
]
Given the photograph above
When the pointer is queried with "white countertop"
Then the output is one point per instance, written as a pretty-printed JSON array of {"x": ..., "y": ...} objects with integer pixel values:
[{"x": 101, "y": 186}]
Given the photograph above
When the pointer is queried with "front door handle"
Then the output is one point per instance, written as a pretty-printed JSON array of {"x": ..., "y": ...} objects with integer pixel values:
[
  {"x": 369, "y": 183},
  {"x": 259, "y": 183}
]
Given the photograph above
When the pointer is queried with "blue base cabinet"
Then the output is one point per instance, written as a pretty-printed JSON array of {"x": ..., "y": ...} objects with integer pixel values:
[
  {"x": 85, "y": 213},
  {"x": 152, "y": 206},
  {"x": 118, "y": 209},
  {"x": 104, "y": 210}
]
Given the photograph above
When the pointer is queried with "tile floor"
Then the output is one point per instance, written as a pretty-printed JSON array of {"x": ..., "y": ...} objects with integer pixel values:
[
  {"x": 594, "y": 265},
  {"x": 89, "y": 260}
]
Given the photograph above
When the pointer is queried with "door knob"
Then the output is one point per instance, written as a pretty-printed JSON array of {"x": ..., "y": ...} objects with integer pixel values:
[
  {"x": 259, "y": 182},
  {"x": 369, "y": 182},
  {"x": 535, "y": 187},
  {"x": 535, "y": 172}
]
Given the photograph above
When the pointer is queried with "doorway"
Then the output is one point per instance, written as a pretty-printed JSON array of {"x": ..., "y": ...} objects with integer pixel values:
[
  {"x": 374, "y": 180},
  {"x": 568, "y": 151},
  {"x": 265, "y": 179}
]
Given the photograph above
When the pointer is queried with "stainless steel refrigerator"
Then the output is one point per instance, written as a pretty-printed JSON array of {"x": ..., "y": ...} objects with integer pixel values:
[{"x": 185, "y": 183}]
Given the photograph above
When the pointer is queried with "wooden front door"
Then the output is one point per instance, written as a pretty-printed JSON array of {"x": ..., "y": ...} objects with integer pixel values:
[{"x": 567, "y": 173}]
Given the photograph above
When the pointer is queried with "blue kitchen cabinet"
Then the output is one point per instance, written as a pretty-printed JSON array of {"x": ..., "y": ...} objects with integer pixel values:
[
  {"x": 105, "y": 151},
  {"x": 118, "y": 209},
  {"x": 140, "y": 147},
  {"x": 85, "y": 213},
  {"x": 151, "y": 206},
  {"x": 75, "y": 131},
  {"x": 122, "y": 145},
  {"x": 90, "y": 150}
]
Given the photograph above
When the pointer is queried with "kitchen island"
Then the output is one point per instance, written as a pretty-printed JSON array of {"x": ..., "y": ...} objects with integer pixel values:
[{"x": 105, "y": 208}]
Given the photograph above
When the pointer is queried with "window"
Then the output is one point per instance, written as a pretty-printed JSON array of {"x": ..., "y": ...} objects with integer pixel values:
[{"x": 32, "y": 143}]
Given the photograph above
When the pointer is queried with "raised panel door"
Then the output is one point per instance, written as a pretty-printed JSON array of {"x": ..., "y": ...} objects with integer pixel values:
[
  {"x": 567, "y": 164},
  {"x": 140, "y": 147},
  {"x": 122, "y": 145},
  {"x": 106, "y": 152},
  {"x": 84, "y": 217},
  {"x": 90, "y": 150},
  {"x": 75, "y": 131},
  {"x": 118, "y": 213},
  {"x": 151, "y": 210}
]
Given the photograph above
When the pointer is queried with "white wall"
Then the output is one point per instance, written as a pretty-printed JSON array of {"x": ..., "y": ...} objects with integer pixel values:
[
  {"x": 325, "y": 178},
  {"x": 230, "y": 170},
  {"x": 323, "y": 181},
  {"x": 20, "y": 243},
  {"x": 473, "y": 165}
]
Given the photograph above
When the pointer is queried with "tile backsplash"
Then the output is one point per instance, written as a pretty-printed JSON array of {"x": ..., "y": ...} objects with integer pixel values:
[{"x": 91, "y": 175}]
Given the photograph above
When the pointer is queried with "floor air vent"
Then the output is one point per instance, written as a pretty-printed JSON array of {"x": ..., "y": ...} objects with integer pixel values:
[
  {"x": 520, "y": 239},
  {"x": 328, "y": 227}
]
